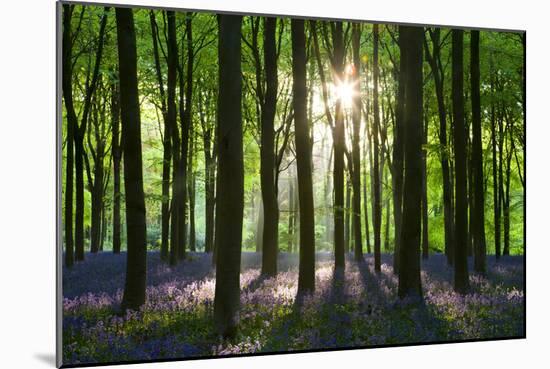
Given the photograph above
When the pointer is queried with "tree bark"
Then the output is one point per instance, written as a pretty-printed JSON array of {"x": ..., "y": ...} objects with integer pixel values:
[
  {"x": 230, "y": 179},
  {"x": 167, "y": 148},
  {"x": 339, "y": 148},
  {"x": 267, "y": 152},
  {"x": 79, "y": 143},
  {"x": 356, "y": 154},
  {"x": 397, "y": 154},
  {"x": 191, "y": 194},
  {"x": 461, "y": 283},
  {"x": 117, "y": 158},
  {"x": 409, "y": 251},
  {"x": 347, "y": 215},
  {"x": 377, "y": 210},
  {"x": 136, "y": 264},
  {"x": 71, "y": 125},
  {"x": 178, "y": 184},
  {"x": 306, "y": 276},
  {"x": 480, "y": 262},
  {"x": 439, "y": 77},
  {"x": 425, "y": 234}
]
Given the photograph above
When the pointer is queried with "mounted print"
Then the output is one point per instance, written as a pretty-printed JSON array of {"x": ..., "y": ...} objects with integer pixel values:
[{"x": 240, "y": 184}]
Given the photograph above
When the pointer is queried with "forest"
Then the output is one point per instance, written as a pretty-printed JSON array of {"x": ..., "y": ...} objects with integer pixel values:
[{"x": 237, "y": 184}]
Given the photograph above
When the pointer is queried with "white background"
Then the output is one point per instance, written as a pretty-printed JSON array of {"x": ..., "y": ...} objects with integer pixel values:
[{"x": 27, "y": 181}]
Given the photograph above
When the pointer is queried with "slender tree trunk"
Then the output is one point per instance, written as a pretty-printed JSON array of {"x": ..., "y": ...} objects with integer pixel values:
[
  {"x": 500, "y": 177},
  {"x": 71, "y": 125},
  {"x": 185, "y": 97},
  {"x": 387, "y": 222},
  {"x": 506, "y": 200},
  {"x": 437, "y": 72},
  {"x": 480, "y": 262},
  {"x": 470, "y": 204},
  {"x": 425, "y": 233},
  {"x": 365, "y": 199},
  {"x": 136, "y": 264},
  {"x": 209, "y": 175},
  {"x": 260, "y": 227},
  {"x": 339, "y": 148},
  {"x": 356, "y": 121},
  {"x": 230, "y": 188},
  {"x": 409, "y": 251},
  {"x": 267, "y": 152},
  {"x": 167, "y": 148},
  {"x": 397, "y": 154},
  {"x": 117, "y": 158},
  {"x": 178, "y": 184},
  {"x": 79, "y": 143},
  {"x": 306, "y": 276},
  {"x": 376, "y": 156},
  {"x": 347, "y": 216},
  {"x": 461, "y": 283},
  {"x": 496, "y": 204},
  {"x": 191, "y": 194},
  {"x": 97, "y": 202},
  {"x": 291, "y": 215}
]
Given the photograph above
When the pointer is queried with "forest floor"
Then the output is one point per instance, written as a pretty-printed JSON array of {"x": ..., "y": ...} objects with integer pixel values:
[{"x": 356, "y": 308}]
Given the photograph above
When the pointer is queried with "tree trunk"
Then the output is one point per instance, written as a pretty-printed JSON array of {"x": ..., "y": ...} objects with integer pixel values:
[
  {"x": 500, "y": 175},
  {"x": 97, "y": 202},
  {"x": 185, "y": 97},
  {"x": 79, "y": 143},
  {"x": 496, "y": 203},
  {"x": 409, "y": 251},
  {"x": 117, "y": 157},
  {"x": 191, "y": 195},
  {"x": 506, "y": 200},
  {"x": 167, "y": 148},
  {"x": 136, "y": 264},
  {"x": 230, "y": 188},
  {"x": 387, "y": 223},
  {"x": 291, "y": 214},
  {"x": 461, "y": 283},
  {"x": 209, "y": 174},
  {"x": 376, "y": 156},
  {"x": 480, "y": 262},
  {"x": 365, "y": 199},
  {"x": 425, "y": 234},
  {"x": 356, "y": 151},
  {"x": 178, "y": 184},
  {"x": 267, "y": 152},
  {"x": 339, "y": 148},
  {"x": 347, "y": 216},
  {"x": 306, "y": 277},
  {"x": 439, "y": 77},
  {"x": 71, "y": 125},
  {"x": 397, "y": 154}
]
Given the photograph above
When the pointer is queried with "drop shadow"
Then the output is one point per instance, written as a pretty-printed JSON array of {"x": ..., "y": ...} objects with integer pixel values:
[{"x": 46, "y": 358}]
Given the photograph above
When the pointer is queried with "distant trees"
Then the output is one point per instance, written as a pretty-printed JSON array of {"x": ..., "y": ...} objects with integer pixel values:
[
  {"x": 229, "y": 198},
  {"x": 136, "y": 231}
]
